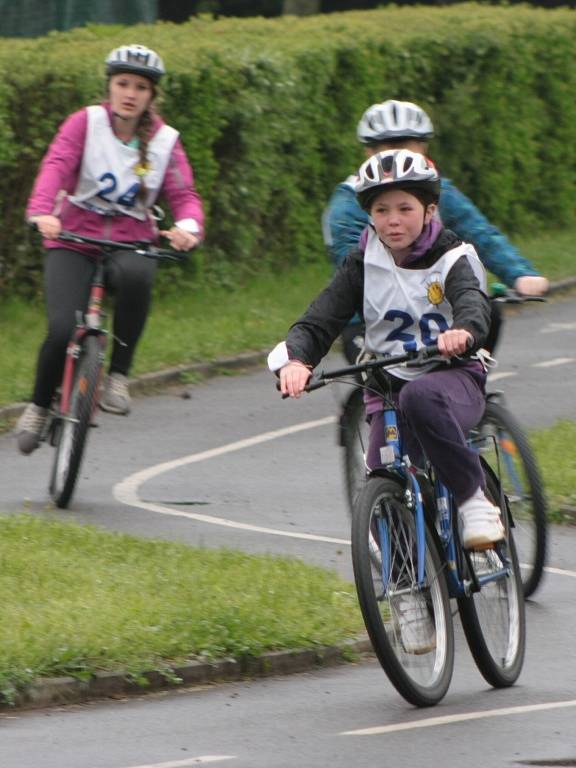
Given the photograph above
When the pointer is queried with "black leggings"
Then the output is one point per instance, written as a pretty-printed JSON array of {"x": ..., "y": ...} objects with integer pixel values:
[{"x": 67, "y": 278}]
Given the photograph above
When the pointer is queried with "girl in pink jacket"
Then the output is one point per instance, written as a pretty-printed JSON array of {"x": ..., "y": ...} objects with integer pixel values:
[{"x": 101, "y": 177}]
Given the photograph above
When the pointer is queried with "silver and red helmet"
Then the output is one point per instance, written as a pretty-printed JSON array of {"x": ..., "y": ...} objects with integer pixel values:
[
  {"x": 397, "y": 169},
  {"x": 392, "y": 120},
  {"x": 136, "y": 60}
]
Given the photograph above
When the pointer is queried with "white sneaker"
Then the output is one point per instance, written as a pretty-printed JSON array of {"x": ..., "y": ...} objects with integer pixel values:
[
  {"x": 417, "y": 631},
  {"x": 116, "y": 397},
  {"x": 481, "y": 523},
  {"x": 29, "y": 428}
]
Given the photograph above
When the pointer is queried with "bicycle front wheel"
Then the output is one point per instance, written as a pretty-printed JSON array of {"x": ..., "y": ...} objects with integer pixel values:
[
  {"x": 493, "y": 618},
  {"x": 354, "y": 439},
  {"x": 72, "y": 429},
  {"x": 409, "y": 623},
  {"x": 504, "y": 446}
]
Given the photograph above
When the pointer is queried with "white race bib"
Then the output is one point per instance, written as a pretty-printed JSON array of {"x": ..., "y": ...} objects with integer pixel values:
[
  {"x": 408, "y": 306},
  {"x": 108, "y": 182}
]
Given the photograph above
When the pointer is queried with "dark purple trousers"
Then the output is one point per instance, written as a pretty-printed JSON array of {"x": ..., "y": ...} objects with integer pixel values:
[{"x": 436, "y": 412}]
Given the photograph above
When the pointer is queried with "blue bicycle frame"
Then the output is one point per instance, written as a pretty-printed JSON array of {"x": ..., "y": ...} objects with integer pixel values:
[{"x": 394, "y": 461}]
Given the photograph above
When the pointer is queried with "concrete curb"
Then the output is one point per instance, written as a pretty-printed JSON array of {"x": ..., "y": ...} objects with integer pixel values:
[
  {"x": 148, "y": 382},
  {"x": 69, "y": 690}
]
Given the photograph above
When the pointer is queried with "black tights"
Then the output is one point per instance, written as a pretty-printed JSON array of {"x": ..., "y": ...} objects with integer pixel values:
[{"x": 67, "y": 278}]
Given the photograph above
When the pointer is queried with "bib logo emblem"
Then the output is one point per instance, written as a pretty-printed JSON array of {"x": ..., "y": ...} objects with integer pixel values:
[{"x": 435, "y": 293}]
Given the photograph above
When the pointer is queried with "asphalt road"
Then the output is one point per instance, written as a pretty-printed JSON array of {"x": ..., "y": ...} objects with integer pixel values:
[{"x": 233, "y": 465}]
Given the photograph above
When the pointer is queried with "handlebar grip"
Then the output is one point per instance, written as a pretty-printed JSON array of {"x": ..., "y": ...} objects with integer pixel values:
[
  {"x": 283, "y": 396},
  {"x": 501, "y": 294},
  {"x": 313, "y": 383}
]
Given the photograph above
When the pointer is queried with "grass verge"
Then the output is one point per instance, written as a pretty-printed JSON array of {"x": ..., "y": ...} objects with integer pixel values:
[
  {"x": 554, "y": 450},
  {"x": 77, "y": 600},
  {"x": 193, "y": 322},
  {"x": 187, "y": 324}
]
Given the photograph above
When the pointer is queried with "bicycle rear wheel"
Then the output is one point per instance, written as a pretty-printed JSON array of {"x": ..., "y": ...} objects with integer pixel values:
[
  {"x": 414, "y": 647},
  {"x": 354, "y": 439},
  {"x": 493, "y": 618},
  {"x": 516, "y": 466},
  {"x": 72, "y": 429}
]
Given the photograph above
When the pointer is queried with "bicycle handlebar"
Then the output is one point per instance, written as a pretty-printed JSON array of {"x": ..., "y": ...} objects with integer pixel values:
[
  {"x": 412, "y": 359},
  {"x": 503, "y": 295},
  {"x": 143, "y": 248}
]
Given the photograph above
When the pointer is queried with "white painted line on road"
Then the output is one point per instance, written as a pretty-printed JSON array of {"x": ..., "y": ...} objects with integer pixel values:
[
  {"x": 556, "y": 361},
  {"x": 161, "y": 510},
  {"x": 497, "y": 376},
  {"x": 432, "y": 722},
  {"x": 492, "y": 377},
  {"x": 554, "y": 327},
  {"x": 560, "y": 572},
  {"x": 127, "y": 490},
  {"x": 189, "y": 761}
]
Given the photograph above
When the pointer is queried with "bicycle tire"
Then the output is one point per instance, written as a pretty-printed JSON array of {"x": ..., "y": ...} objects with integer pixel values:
[
  {"x": 422, "y": 677},
  {"x": 354, "y": 440},
  {"x": 72, "y": 431},
  {"x": 493, "y": 618},
  {"x": 522, "y": 485}
]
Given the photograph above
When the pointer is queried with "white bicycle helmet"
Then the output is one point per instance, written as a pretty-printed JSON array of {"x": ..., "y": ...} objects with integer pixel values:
[
  {"x": 397, "y": 169},
  {"x": 137, "y": 60},
  {"x": 393, "y": 120}
]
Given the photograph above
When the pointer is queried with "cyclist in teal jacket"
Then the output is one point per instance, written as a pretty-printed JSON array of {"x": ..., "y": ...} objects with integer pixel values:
[{"x": 403, "y": 125}]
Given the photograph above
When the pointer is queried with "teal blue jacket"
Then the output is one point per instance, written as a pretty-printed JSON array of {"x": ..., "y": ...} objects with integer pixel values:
[{"x": 344, "y": 220}]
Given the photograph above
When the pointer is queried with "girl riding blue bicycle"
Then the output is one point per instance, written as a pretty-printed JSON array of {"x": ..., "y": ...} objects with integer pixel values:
[{"x": 416, "y": 284}]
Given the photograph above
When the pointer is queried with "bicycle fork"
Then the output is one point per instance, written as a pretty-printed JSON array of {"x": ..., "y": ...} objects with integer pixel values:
[{"x": 391, "y": 457}]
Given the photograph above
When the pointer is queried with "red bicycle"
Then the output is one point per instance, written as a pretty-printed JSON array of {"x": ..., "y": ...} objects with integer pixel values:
[{"x": 72, "y": 414}]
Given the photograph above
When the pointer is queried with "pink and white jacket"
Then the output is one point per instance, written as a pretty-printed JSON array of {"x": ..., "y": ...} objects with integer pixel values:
[{"x": 58, "y": 184}]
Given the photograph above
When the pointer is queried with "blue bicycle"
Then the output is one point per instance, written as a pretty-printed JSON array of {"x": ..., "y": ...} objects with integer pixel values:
[
  {"x": 409, "y": 562},
  {"x": 503, "y": 445}
]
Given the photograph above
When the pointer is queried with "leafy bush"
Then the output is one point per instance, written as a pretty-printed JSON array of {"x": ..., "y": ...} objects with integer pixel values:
[{"x": 267, "y": 109}]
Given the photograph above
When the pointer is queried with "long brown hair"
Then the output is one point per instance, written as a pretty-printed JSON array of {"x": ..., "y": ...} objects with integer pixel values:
[{"x": 144, "y": 134}]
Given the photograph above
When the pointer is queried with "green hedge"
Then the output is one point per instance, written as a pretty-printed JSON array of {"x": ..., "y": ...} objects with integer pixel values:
[{"x": 267, "y": 109}]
